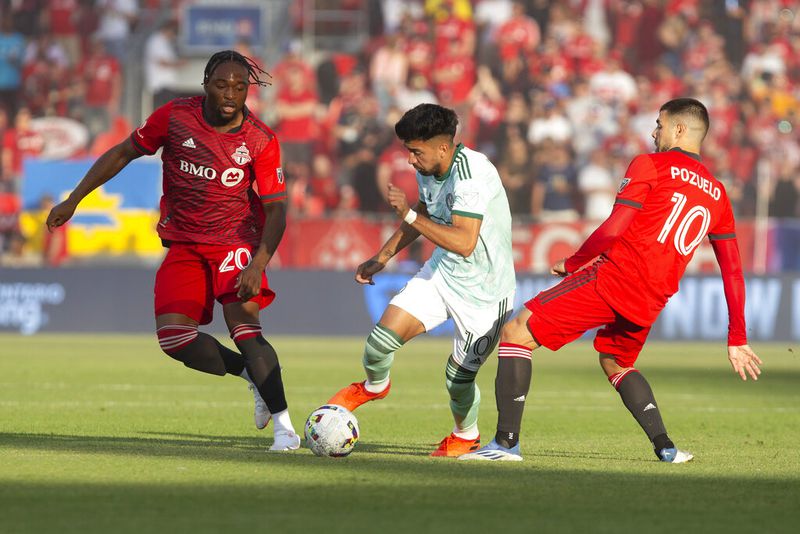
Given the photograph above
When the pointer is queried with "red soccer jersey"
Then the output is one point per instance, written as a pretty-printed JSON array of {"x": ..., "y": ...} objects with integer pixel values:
[
  {"x": 208, "y": 176},
  {"x": 680, "y": 202}
]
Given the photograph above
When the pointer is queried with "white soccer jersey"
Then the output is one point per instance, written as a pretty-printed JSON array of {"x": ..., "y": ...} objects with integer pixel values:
[{"x": 471, "y": 187}]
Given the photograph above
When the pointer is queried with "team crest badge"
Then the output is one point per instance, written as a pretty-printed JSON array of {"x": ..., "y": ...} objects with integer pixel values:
[
  {"x": 623, "y": 184},
  {"x": 279, "y": 173},
  {"x": 241, "y": 155}
]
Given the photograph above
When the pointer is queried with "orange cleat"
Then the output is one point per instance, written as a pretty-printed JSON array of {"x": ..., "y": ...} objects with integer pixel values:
[
  {"x": 356, "y": 394},
  {"x": 453, "y": 446}
]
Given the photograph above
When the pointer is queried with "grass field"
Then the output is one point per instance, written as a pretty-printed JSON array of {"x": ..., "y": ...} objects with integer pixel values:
[{"x": 104, "y": 434}]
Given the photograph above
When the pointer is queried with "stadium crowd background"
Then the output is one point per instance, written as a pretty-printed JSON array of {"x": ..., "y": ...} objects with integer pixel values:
[{"x": 560, "y": 95}]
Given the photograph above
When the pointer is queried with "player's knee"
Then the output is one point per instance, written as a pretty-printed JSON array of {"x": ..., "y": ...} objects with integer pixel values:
[
  {"x": 381, "y": 344},
  {"x": 173, "y": 338},
  {"x": 513, "y": 331}
]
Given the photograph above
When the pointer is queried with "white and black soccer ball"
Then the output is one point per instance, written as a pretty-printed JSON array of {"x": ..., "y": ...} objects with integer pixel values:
[{"x": 331, "y": 430}]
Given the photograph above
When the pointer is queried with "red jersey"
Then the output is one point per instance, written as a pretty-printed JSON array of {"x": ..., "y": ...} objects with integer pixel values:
[
  {"x": 208, "y": 176},
  {"x": 680, "y": 202},
  {"x": 101, "y": 72}
]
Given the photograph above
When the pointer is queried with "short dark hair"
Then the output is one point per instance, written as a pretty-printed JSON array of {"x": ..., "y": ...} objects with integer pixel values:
[
  {"x": 688, "y": 106},
  {"x": 426, "y": 121},
  {"x": 225, "y": 56}
]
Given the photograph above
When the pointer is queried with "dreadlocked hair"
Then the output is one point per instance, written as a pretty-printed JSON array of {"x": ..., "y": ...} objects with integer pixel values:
[{"x": 254, "y": 72}]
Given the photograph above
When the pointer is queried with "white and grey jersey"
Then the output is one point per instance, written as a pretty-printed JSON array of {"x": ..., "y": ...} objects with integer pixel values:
[{"x": 471, "y": 187}]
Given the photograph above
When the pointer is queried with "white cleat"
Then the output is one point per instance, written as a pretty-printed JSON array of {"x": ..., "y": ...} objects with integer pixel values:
[
  {"x": 674, "y": 456},
  {"x": 261, "y": 414},
  {"x": 494, "y": 453},
  {"x": 285, "y": 440}
]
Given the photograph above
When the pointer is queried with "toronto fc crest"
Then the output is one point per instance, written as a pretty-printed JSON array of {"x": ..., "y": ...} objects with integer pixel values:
[{"x": 241, "y": 155}]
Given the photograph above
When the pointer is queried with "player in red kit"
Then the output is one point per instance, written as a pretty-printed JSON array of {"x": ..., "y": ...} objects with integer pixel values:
[
  {"x": 220, "y": 232},
  {"x": 667, "y": 204}
]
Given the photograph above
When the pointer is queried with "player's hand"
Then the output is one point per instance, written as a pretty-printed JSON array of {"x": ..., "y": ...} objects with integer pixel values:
[
  {"x": 744, "y": 361},
  {"x": 559, "y": 269},
  {"x": 367, "y": 270},
  {"x": 60, "y": 214},
  {"x": 397, "y": 199},
  {"x": 248, "y": 283}
]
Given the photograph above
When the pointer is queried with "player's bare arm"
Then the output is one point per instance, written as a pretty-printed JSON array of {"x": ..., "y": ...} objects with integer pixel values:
[
  {"x": 460, "y": 236},
  {"x": 104, "y": 169},
  {"x": 402, "y": 237},
  {"x": 249, "y": 281}
]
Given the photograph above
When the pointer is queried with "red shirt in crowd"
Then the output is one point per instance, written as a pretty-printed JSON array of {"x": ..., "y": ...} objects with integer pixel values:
[{"x": 102, "y": 75}]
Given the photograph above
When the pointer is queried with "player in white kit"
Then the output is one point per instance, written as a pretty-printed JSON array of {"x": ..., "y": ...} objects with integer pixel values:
[{"x": 462, "y": 208}]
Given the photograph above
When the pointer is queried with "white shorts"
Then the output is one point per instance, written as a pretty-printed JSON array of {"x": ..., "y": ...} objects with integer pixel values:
[{"x": 477, "y": 328}]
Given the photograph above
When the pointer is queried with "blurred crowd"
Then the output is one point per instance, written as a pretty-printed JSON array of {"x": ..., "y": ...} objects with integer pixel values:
[{"x": 560, "y": 95}]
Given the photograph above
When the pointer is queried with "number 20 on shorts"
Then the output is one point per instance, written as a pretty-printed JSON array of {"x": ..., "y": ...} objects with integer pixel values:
[{"x": 235, "y": 259}]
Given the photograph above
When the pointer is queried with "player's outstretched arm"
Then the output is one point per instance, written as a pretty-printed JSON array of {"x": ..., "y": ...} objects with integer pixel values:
[
  {"x": 744, "y": 361},
  {"x": 400, "y": 239},
  {"x": 104, "y": 169}
]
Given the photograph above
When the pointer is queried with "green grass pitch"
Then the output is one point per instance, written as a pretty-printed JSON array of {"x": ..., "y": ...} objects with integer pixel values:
[{"x": 104, "y": 434}]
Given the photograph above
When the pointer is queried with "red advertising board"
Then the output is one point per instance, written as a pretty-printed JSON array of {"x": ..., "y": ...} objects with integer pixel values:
[{"x": 343, "y": 243}]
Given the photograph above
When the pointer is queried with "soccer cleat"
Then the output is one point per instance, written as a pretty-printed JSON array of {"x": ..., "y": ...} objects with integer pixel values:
[
  {"x": 261, "y": 414},
  {"x": 285, "y": 440},
  {"x": 674, "y": 456},
  {"x": 356, "y": 394},
  {"x": 454, "y": 446},
  {"x": 494, "y": 453}
]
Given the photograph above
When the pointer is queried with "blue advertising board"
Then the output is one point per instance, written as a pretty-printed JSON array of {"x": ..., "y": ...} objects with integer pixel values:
[{"x": 207, "y": 28}]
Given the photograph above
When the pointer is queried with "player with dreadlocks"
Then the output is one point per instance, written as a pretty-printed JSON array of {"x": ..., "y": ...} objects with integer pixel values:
[{"x": 220, "y": 232}]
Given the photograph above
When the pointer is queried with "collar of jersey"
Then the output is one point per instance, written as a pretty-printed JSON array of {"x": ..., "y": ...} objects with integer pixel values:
[
  {"x": 446, "y": 175},
  {"x": 686, "y": 153}
]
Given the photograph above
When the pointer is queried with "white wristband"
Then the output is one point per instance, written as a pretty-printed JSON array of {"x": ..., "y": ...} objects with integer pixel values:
[{"x": 410, "y": 217}]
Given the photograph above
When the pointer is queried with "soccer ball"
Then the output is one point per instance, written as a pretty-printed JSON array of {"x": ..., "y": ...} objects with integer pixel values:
[{"x": 331, "y": 430}]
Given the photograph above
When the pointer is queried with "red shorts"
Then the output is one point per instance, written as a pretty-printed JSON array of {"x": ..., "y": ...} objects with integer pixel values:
[
  {"x": 193, "y": 275},
  {"x": 565, "y": 312}
]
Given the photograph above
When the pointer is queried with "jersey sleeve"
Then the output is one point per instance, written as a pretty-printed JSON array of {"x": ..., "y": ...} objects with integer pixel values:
[
  {"x": 639, "y": 179},
  {"x": 726, "y": 226},
  {"x": 269, "y": 174},
  {"x": 152, "y": 134},
  {"x": 471, "y": 197}
]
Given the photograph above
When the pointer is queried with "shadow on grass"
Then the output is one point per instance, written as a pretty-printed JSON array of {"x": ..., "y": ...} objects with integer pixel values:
[
  {"x": 342, "y": 496},
  {"x": 161, "y": 444}
]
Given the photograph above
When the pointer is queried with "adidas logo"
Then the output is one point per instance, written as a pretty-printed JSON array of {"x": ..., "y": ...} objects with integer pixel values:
[
  {"x": 650, "y": 406},
  {"x": 521, "y": 398},
  {"x": 189, "y": 143},
  {"x": 476, "y": 360}
]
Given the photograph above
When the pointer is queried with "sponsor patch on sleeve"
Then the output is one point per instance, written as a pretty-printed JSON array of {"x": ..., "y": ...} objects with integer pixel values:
[{"x": 623, "y": 184}]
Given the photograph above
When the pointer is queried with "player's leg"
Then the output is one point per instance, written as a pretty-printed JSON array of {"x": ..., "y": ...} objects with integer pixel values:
[
  {"x": 183, "y": 301},
  {"x": 619, "y": 345},
  {"x": 263, "y": 368},
  {"x": 395, "y": 327},
  {"x": 552, "y": 319},
  {"x": 416, "y": 309},
  {"x": 180, "y": 339},
  {"x": 477, "y": 334}
]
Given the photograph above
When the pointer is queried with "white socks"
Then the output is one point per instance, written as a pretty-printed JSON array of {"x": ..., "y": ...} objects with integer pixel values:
[
  {"x": 467, "y": 433},
  {"x": 376, "y": 388}
]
